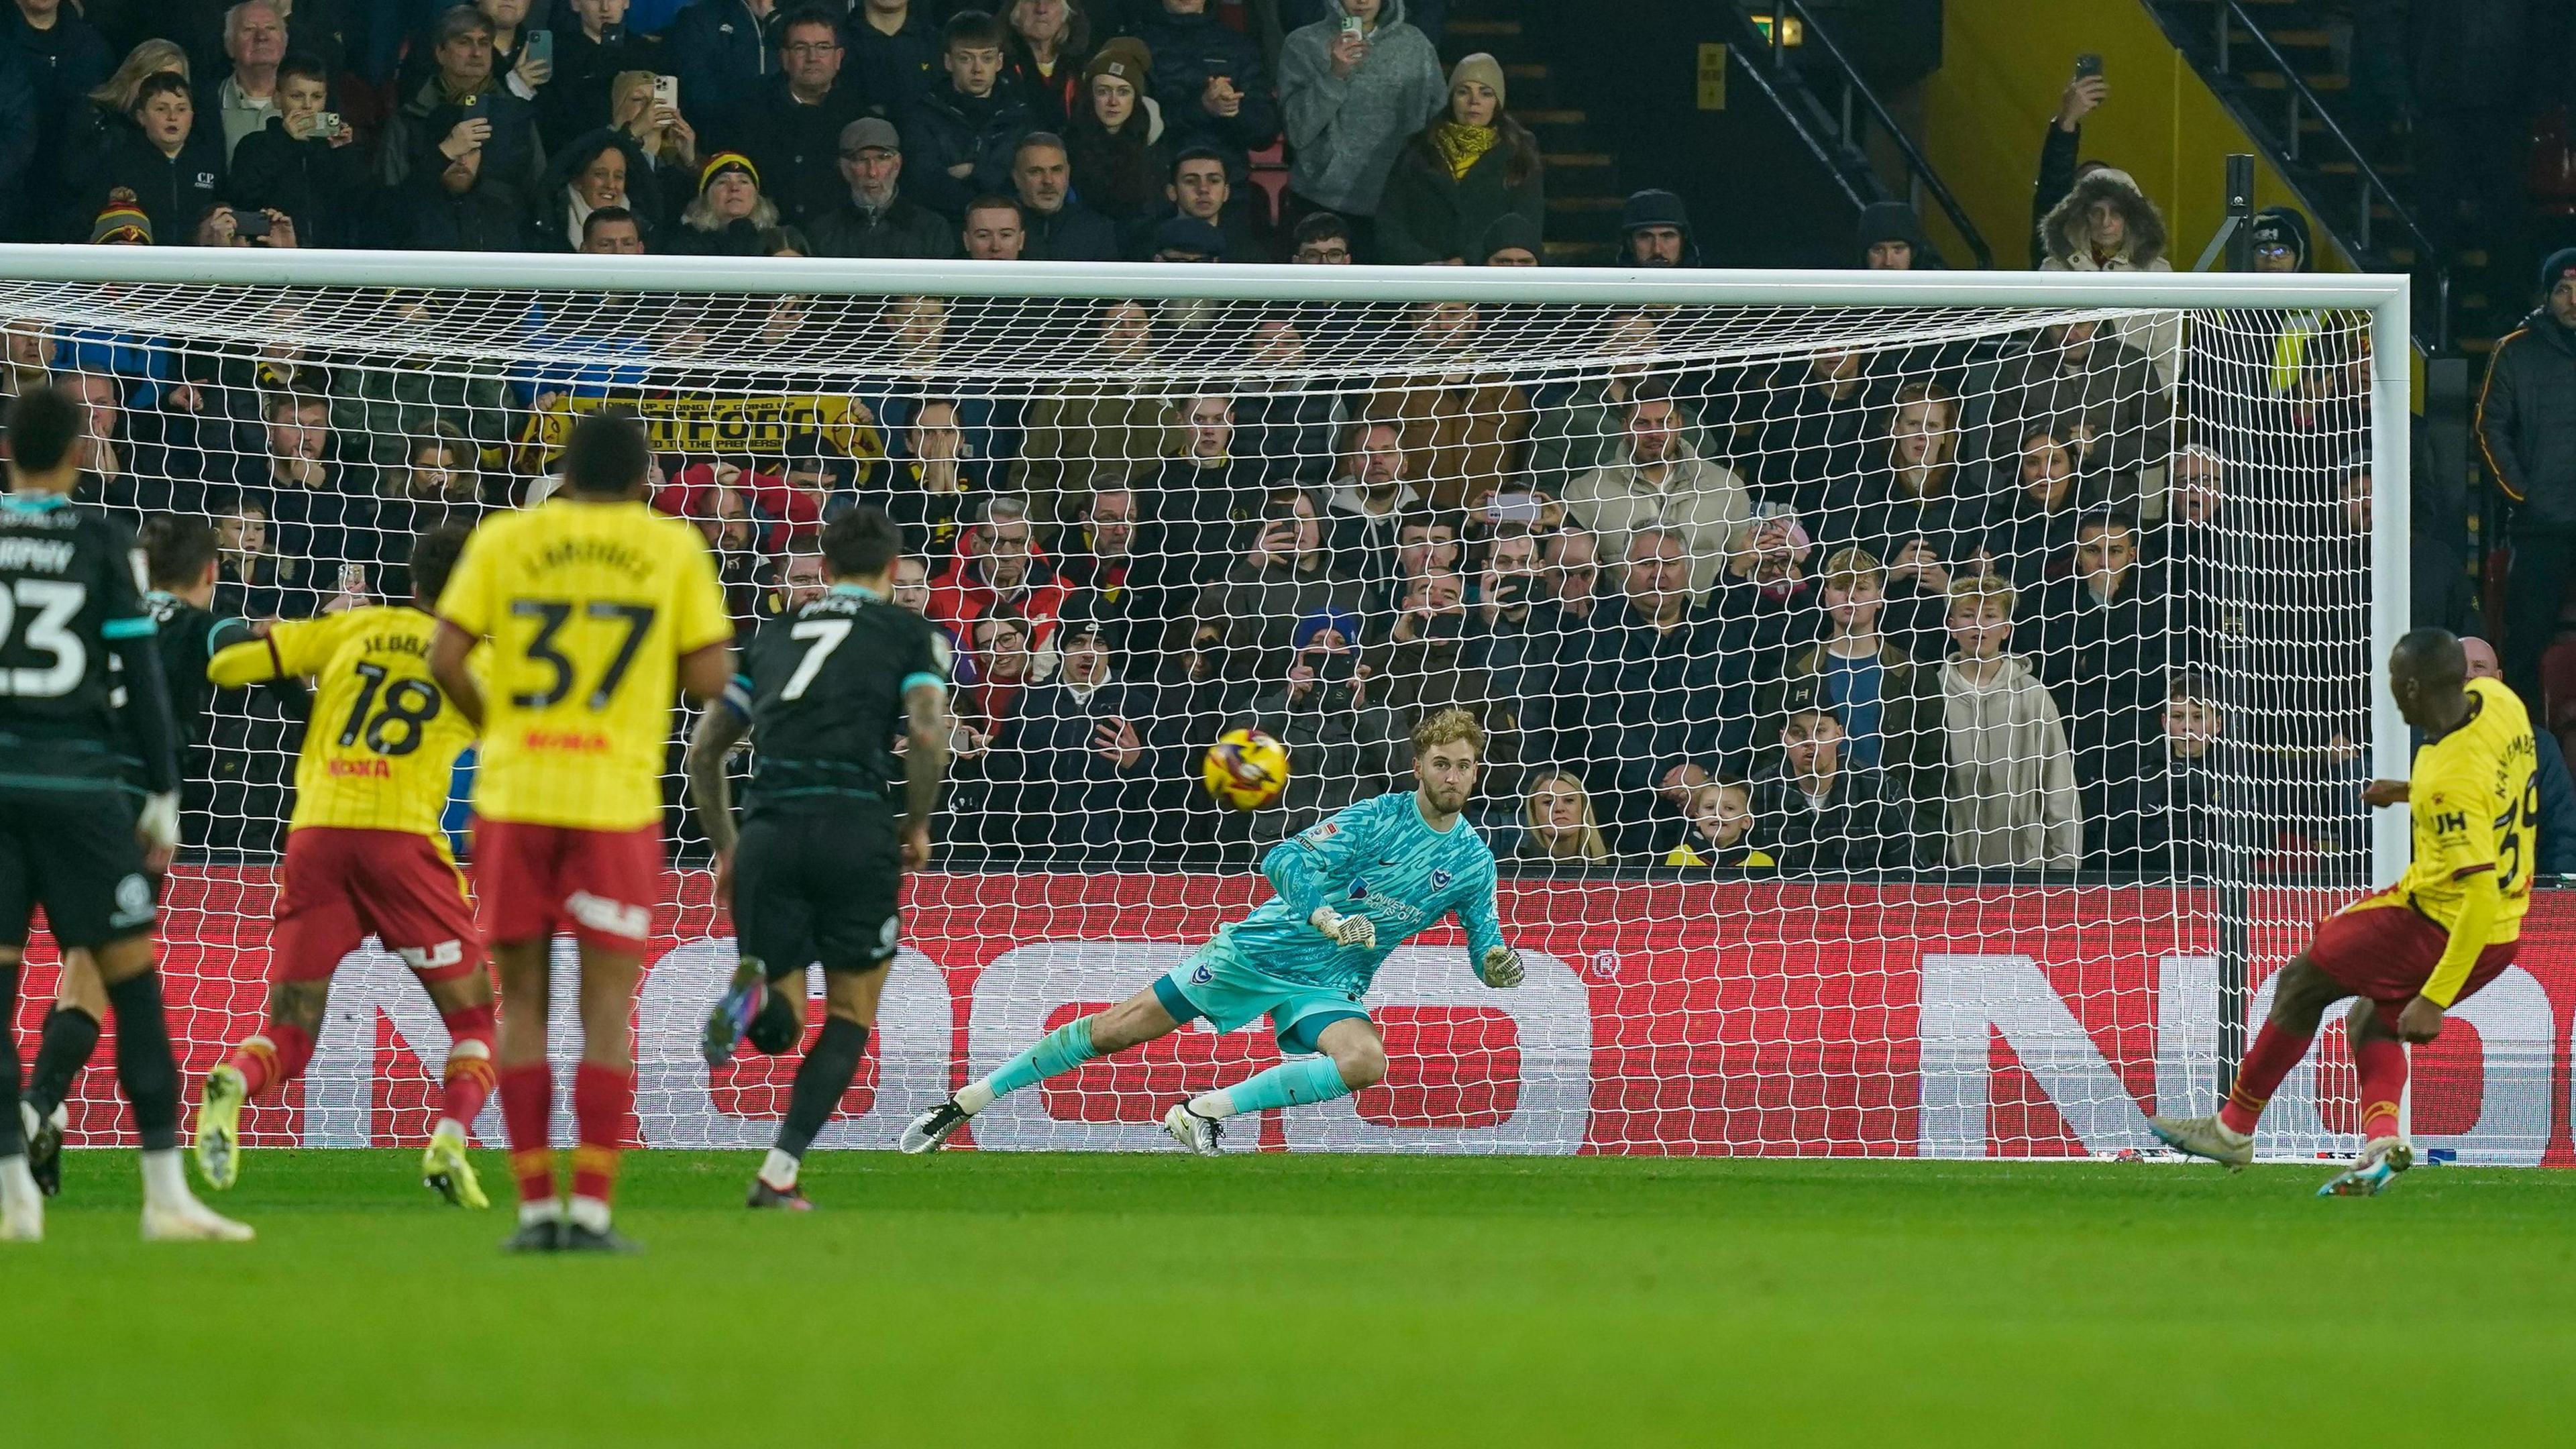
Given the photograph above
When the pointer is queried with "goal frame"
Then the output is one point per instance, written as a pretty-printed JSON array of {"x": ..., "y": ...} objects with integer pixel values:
[{"x": 2386, "y": 297}]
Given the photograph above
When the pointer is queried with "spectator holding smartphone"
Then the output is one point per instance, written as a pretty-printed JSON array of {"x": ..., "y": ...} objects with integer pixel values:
[
  {"x": 1354, "y": 87},
  {"x": 304, "y": 162},
  {"x": 463, "y": 106},
  {"x": 1210, "y": 80},
  {"x": 589, "y": 54}
]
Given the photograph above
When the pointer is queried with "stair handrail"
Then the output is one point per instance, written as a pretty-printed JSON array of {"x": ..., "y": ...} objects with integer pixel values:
[
  {"x": 1918, "y": 166},
  {"x": 2373, "y": 185},
  {"x": 1834, "y": 167}
]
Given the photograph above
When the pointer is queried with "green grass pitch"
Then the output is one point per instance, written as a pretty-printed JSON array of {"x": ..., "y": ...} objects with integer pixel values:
[{"x": 976, "y": 1299}]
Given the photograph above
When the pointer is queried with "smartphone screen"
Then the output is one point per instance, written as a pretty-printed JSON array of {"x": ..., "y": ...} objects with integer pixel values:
[{"x": 2088, "y": 64}]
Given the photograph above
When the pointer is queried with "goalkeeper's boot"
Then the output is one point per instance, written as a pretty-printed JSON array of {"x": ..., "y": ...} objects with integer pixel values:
[
  {"x": 790, "y": 1199},
  {"x": 1197, "y": 1132},
  {"x": 2381, "y": 1160},
  {"x": 444, "y": 1169},
  {"x": 2205, "y": 1137},
  {"x": 931, "y": 1130},
  {"x": 187, "y": 1220},
  {"x": 44, "y": 1146},
  {"x": 219, "y": 1109},
  {"x": 732, "y": 1016}
]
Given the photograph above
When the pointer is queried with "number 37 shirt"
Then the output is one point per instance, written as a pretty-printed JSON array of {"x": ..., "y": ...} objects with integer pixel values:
[{"x": 589, "y": 607}]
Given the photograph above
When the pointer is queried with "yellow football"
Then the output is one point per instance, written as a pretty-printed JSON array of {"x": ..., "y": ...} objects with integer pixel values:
[{"x": 1246, "y": 769}]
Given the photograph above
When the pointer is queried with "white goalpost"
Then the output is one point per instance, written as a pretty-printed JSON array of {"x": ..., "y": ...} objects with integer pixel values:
[{"x": 1924, "y": 708}]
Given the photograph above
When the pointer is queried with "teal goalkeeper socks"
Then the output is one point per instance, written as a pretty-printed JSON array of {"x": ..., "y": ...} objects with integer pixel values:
[
  {"x": 1289, "y": 1084},
  {"x": 1061, "y": 1050}
]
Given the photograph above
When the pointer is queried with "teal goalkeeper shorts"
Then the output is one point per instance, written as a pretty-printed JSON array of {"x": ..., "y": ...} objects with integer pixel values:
[{"x": 1221, "y": 984}]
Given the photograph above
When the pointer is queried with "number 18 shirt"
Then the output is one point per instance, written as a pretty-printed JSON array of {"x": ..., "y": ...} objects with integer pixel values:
[
  {"x": 588, "y": 607},
  {"x": 383, "y": 741}
]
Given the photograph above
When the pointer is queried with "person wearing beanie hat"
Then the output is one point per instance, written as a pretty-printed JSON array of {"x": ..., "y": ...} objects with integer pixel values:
[
  {"x": 1352, "y": 98},
  {"x": 2281, "y": 242},
  {"x": 2526, "y": 424},
  {"x": 121, "y": 224},
  {"x": 1890, "y": 238},
  {"x": 790, "y": 125},
  {"x": 874, "y": 219},
  {"x": 1470, "y": 166},
  {"x": 1657, "y": 226},
  {"x": 730, "y": 212},
  {"x": 1309, "y": 628},
  {"x": 1115, "y": 141},
  {"x": 1211, "y": 80},
  {"x": 1511, "y": 242}
]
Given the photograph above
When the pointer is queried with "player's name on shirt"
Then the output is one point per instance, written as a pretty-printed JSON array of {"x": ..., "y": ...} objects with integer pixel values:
[{"x": 38, "y": 555}]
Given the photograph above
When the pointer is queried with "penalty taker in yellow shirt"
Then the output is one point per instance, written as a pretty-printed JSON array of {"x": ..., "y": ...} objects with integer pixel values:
[
  {"x": 364, "y": 855},
  {"x": 600, "y": 611},
  {"x": 2415, "y": 950}
]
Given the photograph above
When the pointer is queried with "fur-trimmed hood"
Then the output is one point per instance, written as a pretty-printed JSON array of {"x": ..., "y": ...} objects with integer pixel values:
[{"x": 2067, "y": 237}]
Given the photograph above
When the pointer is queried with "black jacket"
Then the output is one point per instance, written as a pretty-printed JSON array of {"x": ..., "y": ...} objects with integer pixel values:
[
  {"x": 172, "y": 190},
  {"x": 2527, "y": 421},
  {"x": 798, "y": 147},
  {"x": 1073, "y": 233},
  {"x": 489, "y": 218},
  {"x": 576, "y": 100},
  {"x": 946, "y": 128},
  {"x": 550, "y": 213},
  {"x": 63, "y": 65},
  {"x": 903, "y": 229},
  {"x": 1186, "y": 50},
  {"x": 326, "y": 188},
  {"x": 892, "y": 71},
  {"x": 1860, "y": 827},
  {"x": 721, "y": 53}
]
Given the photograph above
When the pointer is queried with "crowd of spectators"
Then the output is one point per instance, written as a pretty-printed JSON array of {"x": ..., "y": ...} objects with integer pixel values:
[
  {"x": 2087, "y": 595},
  {"x": 1063, "y": 130}
]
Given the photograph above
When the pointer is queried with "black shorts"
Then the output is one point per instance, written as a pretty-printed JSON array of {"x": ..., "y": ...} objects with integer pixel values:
[
  {"x": 816, "y": 887},
  {"x": 74, "y": 853}
]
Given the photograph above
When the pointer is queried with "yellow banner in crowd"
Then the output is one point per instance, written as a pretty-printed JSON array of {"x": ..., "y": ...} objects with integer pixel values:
[{"x": 723, "y": 426}]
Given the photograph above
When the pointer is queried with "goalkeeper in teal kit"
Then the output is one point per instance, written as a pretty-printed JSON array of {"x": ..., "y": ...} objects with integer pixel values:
[{"x": 1350, "y": 890}]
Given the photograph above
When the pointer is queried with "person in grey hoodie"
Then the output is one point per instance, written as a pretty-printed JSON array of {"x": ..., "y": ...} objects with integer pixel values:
[
  {"x": 2011, "y": 801},
  {"x": 1352, "y": 100}
]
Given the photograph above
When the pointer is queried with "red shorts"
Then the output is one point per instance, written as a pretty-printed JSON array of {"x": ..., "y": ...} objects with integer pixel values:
[
  {"x": 2384, "y": 949},
  {"x": 535, "y": 880},
  {"x": 343, "y": 884}
]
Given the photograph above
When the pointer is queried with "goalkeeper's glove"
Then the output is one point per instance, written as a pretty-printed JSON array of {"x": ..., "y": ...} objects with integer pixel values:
[
  {"x": 1345, "y": 930},
  {"x": 1501, "y": 968},
  {"x": 158, "y": 821}
]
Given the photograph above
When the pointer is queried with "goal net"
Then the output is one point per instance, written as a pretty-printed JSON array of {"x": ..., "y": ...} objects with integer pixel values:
[{"x": 1921, "y": 713}]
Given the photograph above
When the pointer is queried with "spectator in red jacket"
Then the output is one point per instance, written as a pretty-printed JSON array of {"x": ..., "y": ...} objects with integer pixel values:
[{"x": 999, "y": 566}]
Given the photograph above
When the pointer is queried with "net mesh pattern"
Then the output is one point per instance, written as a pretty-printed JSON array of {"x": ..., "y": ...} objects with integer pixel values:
[{"x": 1819, "y": 648}]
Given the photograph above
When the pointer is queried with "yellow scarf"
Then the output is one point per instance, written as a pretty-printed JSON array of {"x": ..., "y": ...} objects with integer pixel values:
[{"x": 1463, "y": 146}]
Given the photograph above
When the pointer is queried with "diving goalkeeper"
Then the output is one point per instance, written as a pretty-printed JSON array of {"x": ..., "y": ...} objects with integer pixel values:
[{"x": 1351, "y": 889}]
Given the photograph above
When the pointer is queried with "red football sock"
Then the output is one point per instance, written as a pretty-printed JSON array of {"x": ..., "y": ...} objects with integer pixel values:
[
  {"x": 2266, "y": 1062},
  {"x": 602, "y": 1099},
  {"x": 2383, "y": 1082},
  {"x": 527, "y": 1099},
  {"x": 469, "y": 1077},
  {"x": 273, "y": 1058}
]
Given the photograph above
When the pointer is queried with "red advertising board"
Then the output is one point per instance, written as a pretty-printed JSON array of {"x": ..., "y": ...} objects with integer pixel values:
[{"x": 1659, "y": 1017}]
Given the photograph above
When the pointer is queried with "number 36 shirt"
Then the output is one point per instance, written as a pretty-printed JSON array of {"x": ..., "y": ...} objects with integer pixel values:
[
  {"x": 383, "y": 740},
  {"x": 589, "y": 607}
]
